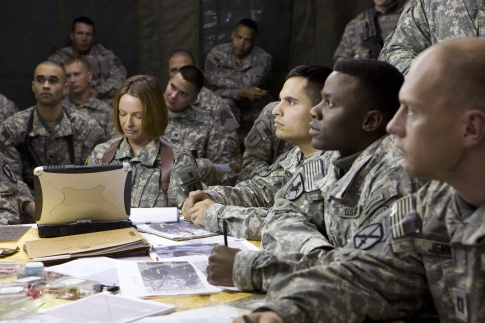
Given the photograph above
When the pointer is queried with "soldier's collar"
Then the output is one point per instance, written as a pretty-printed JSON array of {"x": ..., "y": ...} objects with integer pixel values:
[
  {"x": 85, "y": 104},
  {"x": 45, "y": 124},
  {"x": 464, "y": 208},
  {"x": 391, "y": 8},
  {"x": 145, "y": 158},
  {"x": 344, "y": 164},
  {"x": 188, "y": 111}
]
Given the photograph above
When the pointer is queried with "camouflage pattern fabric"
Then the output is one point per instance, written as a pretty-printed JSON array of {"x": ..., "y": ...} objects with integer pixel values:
[
  {"x": 262, "y": 146},
  {"x": 197, "y": 130},
  {"x": 7, "y": 108},
  {"x": 360, "y": 38},
  {"x": 426, "y": 244},
  {"x": 219, "y": 110},
  {"x": 146, "y": 188},
  {"x": 9, "y": 201},
  {"x": 229, "y": 75},
  {"x": 50, "y": 145},
  {"x": 328, "y": 211},
  {"x": 427, "y": 22},
  {"x": 99, "y": 110},
  {"x": 245, "y": 206},
  {"x": 108, "y": 71}
]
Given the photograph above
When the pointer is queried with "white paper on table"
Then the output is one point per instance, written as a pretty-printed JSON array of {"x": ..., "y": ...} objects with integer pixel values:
[
  {"x": 103, "y": 307},
  {"x": 162, "y": 278},
  {"x": 209, "y": 314},
  {"x": 154, "y": 215},
  {"x": 233, "y": 242},
  {"x": 176, "y": 230}
]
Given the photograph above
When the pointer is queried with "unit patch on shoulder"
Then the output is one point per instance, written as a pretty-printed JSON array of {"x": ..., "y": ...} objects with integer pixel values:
[
  {"x": 295, "y": 189},
  {"x": 228, "y": 122},
  {"x": 4, "y": 135},
  {"x": 369, "y": 236},
  {"x": 312, "y": 173},
  {"x": 253, "y": 138},
  {"x": 9, "y": 172},
  {"x": 404, "y": 221}
]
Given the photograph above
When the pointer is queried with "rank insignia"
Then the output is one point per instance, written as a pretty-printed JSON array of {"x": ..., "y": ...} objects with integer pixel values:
[
  {"x": 369, "y": 236},
  {"x": 295, "y": 189},
  {"x": 404, "y": 220},
  {"x": 313, "y": 173},
  {"x": 9, "y": 172}
]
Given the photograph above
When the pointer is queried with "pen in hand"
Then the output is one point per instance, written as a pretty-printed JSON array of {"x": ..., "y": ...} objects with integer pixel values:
[{"x": 224, "y": 230}]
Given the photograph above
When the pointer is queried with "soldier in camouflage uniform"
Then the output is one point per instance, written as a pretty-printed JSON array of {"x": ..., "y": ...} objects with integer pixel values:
[
  {"x": 209, "y": 101},
  {"x": 364, "y": 36},
  {"x": 235, "y": 70},
  {"x": 324, "y": 204},
  {"x": 107, "y": 69},
  {"x": 245, "y": 206},
  {"x": 7, "y": 108},
  {"x": 141, "y": 114},
  {"x": 196, "y": 130},
  {"x": 80, "y": 96},
  {"x": 429, "y": 243},
  {"x": 427, "y": 22},
  {"x": 48, "y": 133},
  {"x": 262, "y": 146},
  {"x": 9, "y": 208}
]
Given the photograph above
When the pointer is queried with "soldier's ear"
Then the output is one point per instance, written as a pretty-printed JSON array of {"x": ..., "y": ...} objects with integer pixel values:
[
  {"x": 474, "y": 128},
  {"x": 372, "y": 121}
]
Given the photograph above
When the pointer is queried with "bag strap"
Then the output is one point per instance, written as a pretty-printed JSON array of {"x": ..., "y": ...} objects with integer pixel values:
[{"x": 166, "y": 155}]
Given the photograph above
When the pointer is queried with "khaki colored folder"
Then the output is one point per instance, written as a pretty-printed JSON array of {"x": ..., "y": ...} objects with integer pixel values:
[{"x": 103, "y": 243}]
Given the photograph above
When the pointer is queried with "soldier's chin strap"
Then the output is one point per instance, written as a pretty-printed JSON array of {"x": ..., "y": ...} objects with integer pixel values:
[{"x": 166, "y": 155}]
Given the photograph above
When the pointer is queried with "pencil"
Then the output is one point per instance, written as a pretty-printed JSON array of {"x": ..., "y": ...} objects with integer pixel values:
[{"x": 224, "y": 230}]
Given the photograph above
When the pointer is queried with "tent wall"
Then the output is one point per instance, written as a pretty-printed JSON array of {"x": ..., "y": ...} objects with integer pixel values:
[{"x": 143, "y": 33}]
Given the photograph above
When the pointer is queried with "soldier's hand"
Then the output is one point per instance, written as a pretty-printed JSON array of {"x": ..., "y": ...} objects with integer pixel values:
[
  {"x": 29, "y": 208},
  {"x": 252, "y": 94},
  {"x": 261, "y": 317},
  {"x": 189, "y": 203},
  {"x": 197, "y": 212},
  {"x": 221, "y": 261}
]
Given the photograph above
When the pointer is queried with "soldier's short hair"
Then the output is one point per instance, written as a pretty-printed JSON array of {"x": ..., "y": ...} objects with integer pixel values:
[
  {"x": 52, "y": 63},
  {"x": 193, "y": 75},
  {"x": 77, "y": 59},
  {"x": 183, "y": 53},
  {"x": 248, "y": 23},
  {"x": 83, "y": 20},
  {"x": 378, "y": 84},
  {"x": 155, "y": 112},
  {"x": 315, "y": 76}
]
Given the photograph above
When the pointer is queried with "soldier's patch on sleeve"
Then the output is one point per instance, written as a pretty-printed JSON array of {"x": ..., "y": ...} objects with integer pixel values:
[
  {"x": 268, "y": 170},
  {"x": 263, "y": 130},
  {"x": 295, "y": 189},
  {"x": 253, "y": 138},
  {"x": 368, "y": 236},
  {"x": 460, "y": 302},
  {"x": 9, "y": 172},
  {"x": 227, "y": 120},
  {"x": 433, "y": 248},
  {"x": 4, "y": 135},
  {"x": 404, "y": 221},
  {"x": 312, "y": 172}
]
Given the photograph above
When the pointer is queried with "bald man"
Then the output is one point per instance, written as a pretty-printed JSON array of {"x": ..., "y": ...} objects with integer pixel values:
[
  {"x": 430, "y": 244},
  {"x": 47, "y": 133}
]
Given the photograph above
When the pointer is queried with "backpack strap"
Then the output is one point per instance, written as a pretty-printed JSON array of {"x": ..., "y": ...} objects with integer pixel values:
[{"x": 166, "y": 155}]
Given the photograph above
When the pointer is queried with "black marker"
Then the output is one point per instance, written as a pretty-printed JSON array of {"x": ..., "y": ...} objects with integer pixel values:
[{"x": 224, "y": 230}]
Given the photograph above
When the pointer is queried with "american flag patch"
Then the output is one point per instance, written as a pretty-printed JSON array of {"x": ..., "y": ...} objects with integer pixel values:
[
  {"x": 3, "y": 135},
  {"x": 263, "y": 130},
  {"x": 311, "y": 172},
  {"x": 404, "y": 220}
]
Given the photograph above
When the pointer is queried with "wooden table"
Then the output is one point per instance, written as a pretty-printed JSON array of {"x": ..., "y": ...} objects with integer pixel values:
[{"x": 182, "y": 302}]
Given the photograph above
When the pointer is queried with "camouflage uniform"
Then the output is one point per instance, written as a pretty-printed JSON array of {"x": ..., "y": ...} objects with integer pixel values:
[
  {"x": 146, "y": 188},
  {"x": 326, "y": 211},
  {"x": 99, "y": 110},
  {"x": 9, "y": 208},
  {"x": 427, "y": 22},
  {"x": 229, "y": 75},
  {"x": 245, "y": 206},
  {"x": 108, "y": 71},
  {"x": 219, "y": 110},
  {"x": 50, "y": 145},
  {"x": 427, "y": 243},
  {"x": 262, "y": 146},
  {"x": 197, "y": 130},
  {"x": 363, "y": 38},
  {"x": 7, "y": 108}
]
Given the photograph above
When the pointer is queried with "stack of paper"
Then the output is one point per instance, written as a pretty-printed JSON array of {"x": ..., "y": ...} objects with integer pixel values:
[
  {"x": 177, "y": 231},
  {"x": 106, "y": 243},
  {"x": 154, "y": 215}
]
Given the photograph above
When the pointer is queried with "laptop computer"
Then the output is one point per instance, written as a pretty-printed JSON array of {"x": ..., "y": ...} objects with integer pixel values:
[{"x": 80, "y": 199}]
